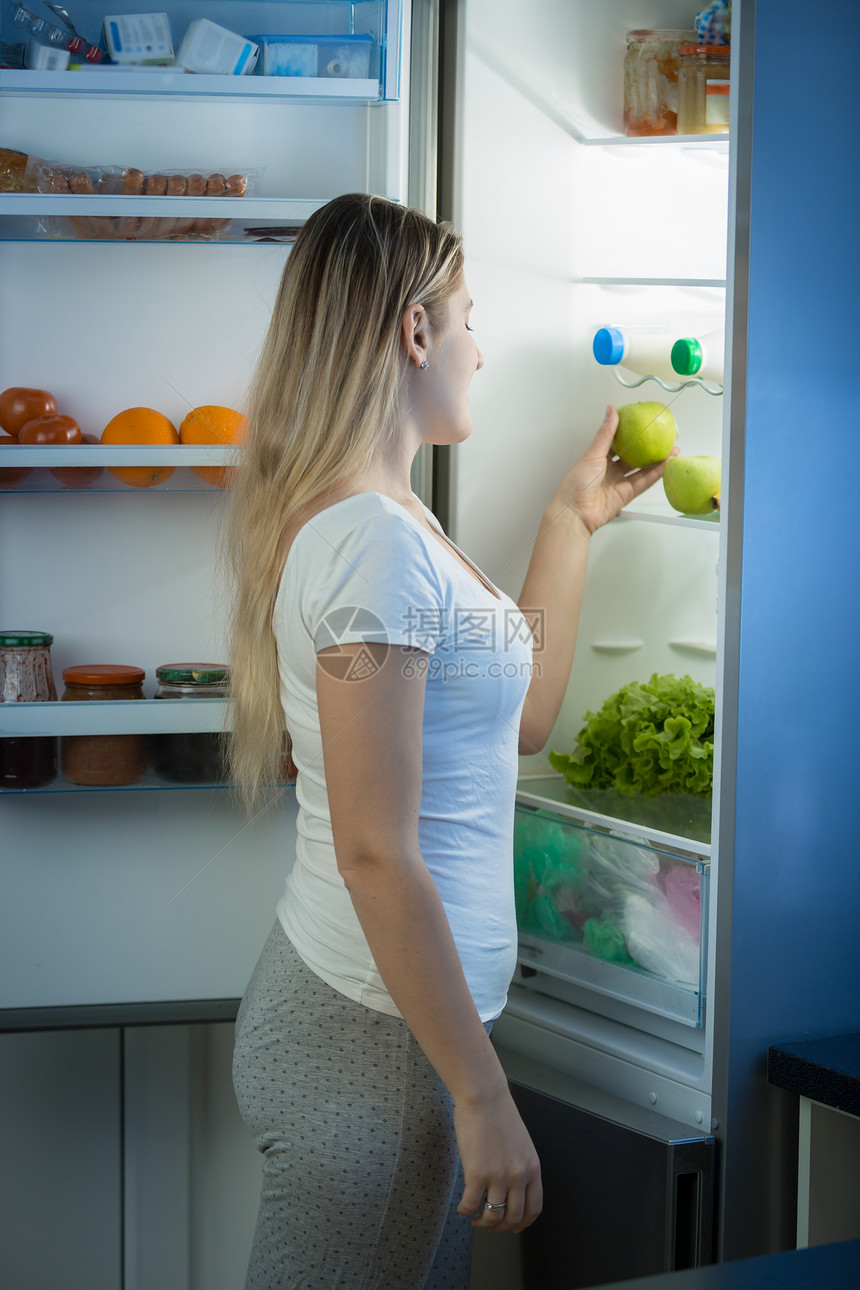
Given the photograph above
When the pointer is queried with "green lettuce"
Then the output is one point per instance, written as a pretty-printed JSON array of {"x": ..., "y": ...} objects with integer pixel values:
[{"x": 650, "y": 737}]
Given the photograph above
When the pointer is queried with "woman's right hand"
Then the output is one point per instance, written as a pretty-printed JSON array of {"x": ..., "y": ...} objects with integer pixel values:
[{"x": 499, "y": 1163}]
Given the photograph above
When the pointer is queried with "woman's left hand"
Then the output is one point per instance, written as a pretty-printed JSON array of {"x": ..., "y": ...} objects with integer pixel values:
[{"x": 596, "y": 488}]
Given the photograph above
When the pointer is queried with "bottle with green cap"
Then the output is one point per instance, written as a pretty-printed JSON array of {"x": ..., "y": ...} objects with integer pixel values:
[{"x": 700, "y": 356}]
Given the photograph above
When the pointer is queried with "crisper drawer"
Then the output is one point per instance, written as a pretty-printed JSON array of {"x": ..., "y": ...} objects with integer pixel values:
[{"x": 609, "y": 914}]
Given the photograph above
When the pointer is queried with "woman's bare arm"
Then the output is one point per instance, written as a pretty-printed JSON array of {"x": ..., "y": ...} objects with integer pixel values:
[
  {"x": 592, "y": 492},
  {"x": 372, "y": 740}
]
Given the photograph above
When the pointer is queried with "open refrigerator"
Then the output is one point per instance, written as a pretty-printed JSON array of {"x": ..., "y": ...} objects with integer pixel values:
[{"x": 134, "y": 915}]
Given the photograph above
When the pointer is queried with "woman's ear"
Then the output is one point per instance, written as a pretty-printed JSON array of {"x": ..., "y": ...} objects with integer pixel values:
[{"x": 415, "y": 334}]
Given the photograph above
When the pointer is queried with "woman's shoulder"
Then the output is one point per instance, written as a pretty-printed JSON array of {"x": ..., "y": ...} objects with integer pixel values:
[{"x": 364, "y": 518}]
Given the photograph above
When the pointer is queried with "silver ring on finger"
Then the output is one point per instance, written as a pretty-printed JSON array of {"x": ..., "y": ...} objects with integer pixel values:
[{"x": 495, "y": 1209}]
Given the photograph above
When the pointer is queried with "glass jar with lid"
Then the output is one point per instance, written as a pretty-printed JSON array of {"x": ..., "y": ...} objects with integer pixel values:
[
  {"x": 703, "y": 89},
  {"x": 103, "y": 760},
  {"x": 651, "y": 80},
  {"x": 26, "y": 676},
  {"x": 194, "y": 756}
]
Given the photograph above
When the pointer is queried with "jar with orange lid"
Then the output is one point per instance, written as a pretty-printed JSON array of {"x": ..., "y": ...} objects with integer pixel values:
[
  {"x": 651, "y": 80},
  {"x": 103, "y": 760},
  {"x": 703, "y": 89}
]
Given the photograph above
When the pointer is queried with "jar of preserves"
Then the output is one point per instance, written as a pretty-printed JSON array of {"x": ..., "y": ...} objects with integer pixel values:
[
  {"x": 26, "y": 676},
  {"x": 651, "y": 81},
  {"x": 703, "y": 89},
  {"x": 194, "y": 756},
  {"x": 103, "y": 760}
]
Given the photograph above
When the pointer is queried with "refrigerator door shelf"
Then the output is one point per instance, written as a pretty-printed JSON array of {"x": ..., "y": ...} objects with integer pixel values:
[
  {"x": 610, "y": 914},
  {"x": 143, "y": 83},
  {"x": 334, "y": 24},
  {"x": 671, "y": 387}
]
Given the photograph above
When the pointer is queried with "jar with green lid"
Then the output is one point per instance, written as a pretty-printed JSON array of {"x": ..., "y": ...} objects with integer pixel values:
[
  {"x": 110, "y": 760},
  {"x": 194, "y": 756},
  {"x": 26, "y": 676},
  {"x": 703, "y": 89}
]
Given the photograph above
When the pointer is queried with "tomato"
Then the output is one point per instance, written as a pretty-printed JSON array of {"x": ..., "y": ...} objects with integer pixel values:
[
  {"x": 53, "y": 428},
  {"x": 79, "y": 476},
  {"x": 19, "y": 404},
  {"x": 11, "y": 475}
]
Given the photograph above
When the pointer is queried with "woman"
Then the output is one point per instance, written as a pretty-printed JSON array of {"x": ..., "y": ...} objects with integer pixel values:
[{"x": 363, "y": 1062}]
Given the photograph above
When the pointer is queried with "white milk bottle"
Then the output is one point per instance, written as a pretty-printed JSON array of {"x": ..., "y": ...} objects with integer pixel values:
[
  {"x": 700, "y": 356},
  {"x": 645, "y": 351}
]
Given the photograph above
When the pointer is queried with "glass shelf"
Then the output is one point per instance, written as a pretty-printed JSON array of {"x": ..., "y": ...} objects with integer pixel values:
[
  {"x": 700, "y": 142},
  {"x": 150, "y": 782},
  {"x": 640, "y": 513},
  {"x": 678, "y": 821},
  {"x": 119, "y": 717},
  {"x": 41, "y": 462},
  {"x": 251, "y": 219},
  {"x": 121, "y": 82}
]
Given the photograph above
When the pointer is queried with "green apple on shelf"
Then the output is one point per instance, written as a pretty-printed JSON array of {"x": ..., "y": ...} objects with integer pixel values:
[{"x": 692, "y": 484}]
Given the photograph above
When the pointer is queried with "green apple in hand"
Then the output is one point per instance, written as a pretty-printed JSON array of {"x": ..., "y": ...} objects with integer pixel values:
[
  {"x": 646, "y": 434},
  {"x": 692, "y": 484}
]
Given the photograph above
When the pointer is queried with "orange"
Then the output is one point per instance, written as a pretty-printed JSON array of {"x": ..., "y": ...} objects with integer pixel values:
[
  {"x": 142, "y": 426},
  {"x": 215, "y": 425}
]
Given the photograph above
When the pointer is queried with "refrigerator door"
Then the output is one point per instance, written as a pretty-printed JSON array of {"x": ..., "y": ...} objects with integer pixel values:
[{"x": 570, "y": 225}]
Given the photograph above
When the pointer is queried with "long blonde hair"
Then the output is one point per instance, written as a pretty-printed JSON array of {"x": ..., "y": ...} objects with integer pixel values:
[{"x": 325, "y": 396}]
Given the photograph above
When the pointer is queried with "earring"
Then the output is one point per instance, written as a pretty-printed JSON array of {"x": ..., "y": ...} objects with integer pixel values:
[{"x": 424, "y": 366}]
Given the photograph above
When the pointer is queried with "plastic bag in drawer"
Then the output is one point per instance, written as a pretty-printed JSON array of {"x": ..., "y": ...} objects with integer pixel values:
[
  {"x": 624, "y": 902},
  {"x": 548, "y": 878},
  {"x": 118, "y": 181}
]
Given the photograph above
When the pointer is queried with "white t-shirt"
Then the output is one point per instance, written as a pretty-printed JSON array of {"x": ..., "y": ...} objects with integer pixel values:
[{"x": 364, "y": 569}]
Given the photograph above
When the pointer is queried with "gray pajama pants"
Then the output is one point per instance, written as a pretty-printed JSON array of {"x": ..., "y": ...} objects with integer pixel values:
[{"x": 361, "y": 1173}]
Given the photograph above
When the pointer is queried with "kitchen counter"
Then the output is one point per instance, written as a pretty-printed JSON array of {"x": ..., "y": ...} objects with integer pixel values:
[
  {"x": 824, "y": 1070},
  {"x": 825, "y": 1074},
  {"x": 821, "y": 1267}
]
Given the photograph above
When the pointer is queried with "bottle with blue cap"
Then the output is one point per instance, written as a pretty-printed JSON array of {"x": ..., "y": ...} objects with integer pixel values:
[{"x": 645, "y": 351}]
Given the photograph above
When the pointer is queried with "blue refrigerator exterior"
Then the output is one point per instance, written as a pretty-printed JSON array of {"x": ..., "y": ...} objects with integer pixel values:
[{"x": 788, "y": 953}]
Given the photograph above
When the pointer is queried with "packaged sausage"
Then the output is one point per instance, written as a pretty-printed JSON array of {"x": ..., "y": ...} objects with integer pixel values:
[{"x": 128, "y": 181}]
